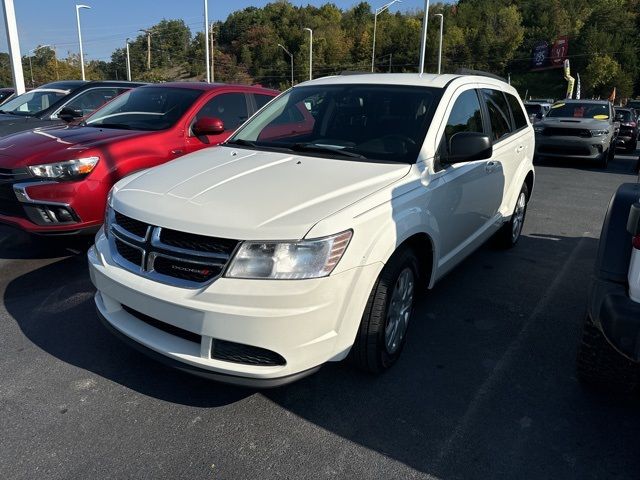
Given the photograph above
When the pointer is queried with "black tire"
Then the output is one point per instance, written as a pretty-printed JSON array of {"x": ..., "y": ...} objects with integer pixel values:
[
  {"x": 369, "y": 351},
  {"x": 600, "y": 366},
  {"x": 505, "y": 236},
  {"x": 603, "y": 160}
]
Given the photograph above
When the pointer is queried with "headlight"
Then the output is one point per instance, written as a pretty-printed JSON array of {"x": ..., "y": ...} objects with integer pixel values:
[
  {"x": 69, "y": 170},
  {"x": 599, "y": 133},
  {"x": 289, "y": 260},
  {"x": 538, "y": 129}
]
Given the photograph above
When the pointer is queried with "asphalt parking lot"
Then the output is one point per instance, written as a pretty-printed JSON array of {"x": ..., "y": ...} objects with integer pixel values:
[{"x": 485, "y": 388}]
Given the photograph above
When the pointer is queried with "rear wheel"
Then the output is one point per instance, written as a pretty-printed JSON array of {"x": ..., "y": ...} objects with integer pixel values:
[
  {"x": 510, "y": 232},
  {"x": 384, "y": 324},
  {"x": 599, "y": 365}
]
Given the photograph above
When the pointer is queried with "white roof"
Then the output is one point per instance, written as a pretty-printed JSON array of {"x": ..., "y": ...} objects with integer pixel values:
[{"x": 426, "y": 80}]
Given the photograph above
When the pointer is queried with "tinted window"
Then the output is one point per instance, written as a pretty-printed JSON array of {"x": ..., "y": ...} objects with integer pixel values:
[
  {"x": 32, "y": 102},
  {"x": 382, "y": 122},
  {"x": 231, "y": 108},
  {"x": 580, "y": 110},
  {"x": 519, "y": 120},
  {"x": 90, "y": 100},
  {"x": 261, "y": 100},
  {"x": 625, "y": 114},
  {"x": 146, "y": 108},
  {"x": 498, "y": 113},
  {"x": 465, "y": 116},
  {"x": 533, "y": 109}
]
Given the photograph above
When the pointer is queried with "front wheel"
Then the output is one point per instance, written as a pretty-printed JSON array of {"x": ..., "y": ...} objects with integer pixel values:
[
  {"x": 510, "y": 232},
  {"x": 385, "y": 320}
]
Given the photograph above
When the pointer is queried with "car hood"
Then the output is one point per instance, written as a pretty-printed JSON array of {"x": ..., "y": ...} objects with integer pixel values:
[
  {"x": 250, "y": 195},
  {"x": 46, "y": 145},
  {"x": 571, "y": 122}
]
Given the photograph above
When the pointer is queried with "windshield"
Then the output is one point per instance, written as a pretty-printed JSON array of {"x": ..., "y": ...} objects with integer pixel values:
[
  {"x": 32, "y": 102},
  {"x": 533, "y": 109},
  {"x": 378, "y": 122},
  {"x": 147, "y": 108},
  {"x": 625, "y": 114},
  {"x": 599, "y": 111}
]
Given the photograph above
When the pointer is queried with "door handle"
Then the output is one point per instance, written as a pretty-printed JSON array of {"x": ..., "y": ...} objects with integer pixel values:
[
  {"x": 519, "y": 148},
  {"x": 490, "y": 166},
  {"x": 177, "y": 151}
]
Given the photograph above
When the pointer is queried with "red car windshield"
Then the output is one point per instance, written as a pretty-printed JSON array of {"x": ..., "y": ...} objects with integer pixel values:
[{"x": 147, "y": 108}]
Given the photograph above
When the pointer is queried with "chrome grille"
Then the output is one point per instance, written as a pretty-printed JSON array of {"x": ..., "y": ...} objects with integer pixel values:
[{"x": 168, "y": 256}]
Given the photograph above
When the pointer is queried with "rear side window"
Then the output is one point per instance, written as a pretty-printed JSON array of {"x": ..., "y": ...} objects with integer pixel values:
[
  {"x": 519, "y": 120},
  {"x": 261, "y": 100},
  {"x": 231, "y": 108},
  {"x": 498, "y": 113},
  {"x": 465, "y": 116}
]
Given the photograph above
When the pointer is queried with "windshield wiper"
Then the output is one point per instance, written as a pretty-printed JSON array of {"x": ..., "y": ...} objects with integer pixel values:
[
  {"x": 239, "y": 141},
  {"x": 110, "y": 125},
  {"x": 314, "y": 147}
]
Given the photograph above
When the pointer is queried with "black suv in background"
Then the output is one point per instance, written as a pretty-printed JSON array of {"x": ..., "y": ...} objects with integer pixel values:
[
  {"x": 628, "y": 133},
  {"x": 57, "y": 103}
]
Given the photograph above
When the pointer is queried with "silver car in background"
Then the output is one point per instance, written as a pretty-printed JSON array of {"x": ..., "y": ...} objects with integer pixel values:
[{"x": 581, "y": 129}]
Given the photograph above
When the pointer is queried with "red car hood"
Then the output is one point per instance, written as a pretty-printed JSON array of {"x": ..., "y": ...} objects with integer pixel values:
[{"x": 47, "y": 145}]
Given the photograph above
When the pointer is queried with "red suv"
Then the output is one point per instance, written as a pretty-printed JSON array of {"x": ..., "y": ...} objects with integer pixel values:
[{"x": 56, "y": 180}]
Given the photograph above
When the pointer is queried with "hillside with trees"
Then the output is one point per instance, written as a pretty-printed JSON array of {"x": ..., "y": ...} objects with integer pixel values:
[{"x": 492, "y": 35}]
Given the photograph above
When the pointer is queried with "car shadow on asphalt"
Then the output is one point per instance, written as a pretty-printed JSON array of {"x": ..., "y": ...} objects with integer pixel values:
[
  {"x": 485, "y": 386},
  {"x": 59, "y": 317},
  {"x": 18, "y": 245}
]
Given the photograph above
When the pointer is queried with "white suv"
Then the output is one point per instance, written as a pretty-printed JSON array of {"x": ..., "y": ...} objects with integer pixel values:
[{"x": 307, "y": 236}]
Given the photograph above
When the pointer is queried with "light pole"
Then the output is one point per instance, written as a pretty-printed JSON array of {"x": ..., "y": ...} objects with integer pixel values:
[
  {"x": 78, "y": 7},
  {"x": 375, "y": 25},
  {"x": 310, "y": 52},
  {"x": 31, "y": 66},
  {"x": 440, "y": 47},
  {"x": 206, "y": 40},
  {"x": 13, "y": 43},
  {"x": 423, "y": 45},
  {"x": 128, "y": 60},
  {"x": 148, "y": 32},
  {"x": 291, "y": 57}
]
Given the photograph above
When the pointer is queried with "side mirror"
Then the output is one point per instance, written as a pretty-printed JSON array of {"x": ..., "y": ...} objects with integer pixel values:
[
  {"x": 468, "y": 147},
  {"x": 69, "y": 114},
  {"x": 208, "y": 126}
]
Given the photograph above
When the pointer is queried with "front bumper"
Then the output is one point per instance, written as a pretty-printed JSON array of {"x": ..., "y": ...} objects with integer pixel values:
[
  {"x": 617, "y": 315},
  {"x": 43, "y": 207},
  {"x": 305, "y": 322},
  {"x": 590, "y": 148}
]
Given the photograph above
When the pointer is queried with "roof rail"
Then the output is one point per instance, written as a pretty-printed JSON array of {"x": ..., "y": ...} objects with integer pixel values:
[
  {"x": 353, "y": 72},
  {"x": 469, "y": 71}
]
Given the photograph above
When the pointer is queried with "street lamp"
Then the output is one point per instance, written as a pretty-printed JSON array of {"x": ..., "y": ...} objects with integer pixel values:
[
  {"x": 128, "y": 60},
  {"x": 291, "y": 57},
  {"x": 31, "y": 66},
  {"x": 423, "y": 43},
  {"x": 78, "y": 7},
  {"x": 206, "y": 40},
  {"x": 310, "y": 52},
  {"x": 375, "y": 25},
  {"x": 440, "y": 47}
]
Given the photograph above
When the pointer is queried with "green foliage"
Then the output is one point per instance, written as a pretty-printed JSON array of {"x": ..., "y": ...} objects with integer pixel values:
[{"x": 493, "y": 35}]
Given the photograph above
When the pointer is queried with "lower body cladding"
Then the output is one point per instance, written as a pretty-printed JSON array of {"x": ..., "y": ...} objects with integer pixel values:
[
  {"x": 257, "y": 333},
  {"x": 51, "y": 207},
  {"x": 591, "y": 148}
]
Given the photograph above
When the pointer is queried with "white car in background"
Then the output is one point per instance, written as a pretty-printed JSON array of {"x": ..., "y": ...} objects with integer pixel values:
[{"x": 309, "y": 234}]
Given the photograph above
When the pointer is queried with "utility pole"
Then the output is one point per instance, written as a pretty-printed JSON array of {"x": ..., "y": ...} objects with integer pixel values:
[
  {"x": 14, "y": 46},
  {"x": 78, "y": 7},
  {"x": 423, "y": 45},
  {"x": 310, "y": 52},
  {"x": 213, "y": 55},
  {"x": 206, "y": 43},
  {"x": 148, "y": 32},
  {"x": 440, "y": 47},
  {"x": 128, "y": 60}
]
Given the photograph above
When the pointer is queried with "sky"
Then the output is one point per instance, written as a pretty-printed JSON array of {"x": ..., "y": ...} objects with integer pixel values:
[{"x": 109, "y": 22}]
